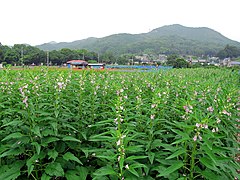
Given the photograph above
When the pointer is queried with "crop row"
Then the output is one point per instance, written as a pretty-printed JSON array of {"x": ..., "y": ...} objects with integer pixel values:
[{"x": 173, "y": 124}]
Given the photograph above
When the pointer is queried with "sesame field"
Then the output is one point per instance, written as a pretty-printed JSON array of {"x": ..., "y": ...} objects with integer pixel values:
[{"x": 177, "y": 124}]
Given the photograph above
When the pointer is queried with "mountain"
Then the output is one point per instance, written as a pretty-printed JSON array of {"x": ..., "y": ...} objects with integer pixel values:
[{"x": 167, "y": 39}]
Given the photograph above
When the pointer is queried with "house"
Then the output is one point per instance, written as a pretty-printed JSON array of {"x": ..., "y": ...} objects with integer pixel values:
[
  {"x": 234, "y": 63},
  {"x": 81, "y": 64},
  {"x": 201, "y": 61},
  {"x": 97, "y": 66},
  {"x": 226, "y": 62}
]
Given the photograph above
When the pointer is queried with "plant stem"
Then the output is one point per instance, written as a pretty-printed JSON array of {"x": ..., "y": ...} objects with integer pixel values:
[{"x": 193, "y": 161}]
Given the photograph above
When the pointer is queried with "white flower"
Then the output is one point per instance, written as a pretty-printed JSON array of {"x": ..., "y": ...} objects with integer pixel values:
[
  {"x": 123, "y": 136},
  {"x": 119, "y": 157},
  {"x": 127, "y": 167},
  {"x": 118, "y": 142},
  {"x": 152, "y": 116},
  {"x": 153, "y": 105}
]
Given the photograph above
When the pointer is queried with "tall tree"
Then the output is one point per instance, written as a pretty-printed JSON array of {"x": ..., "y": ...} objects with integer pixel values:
[{"x": 229, "y": 51}]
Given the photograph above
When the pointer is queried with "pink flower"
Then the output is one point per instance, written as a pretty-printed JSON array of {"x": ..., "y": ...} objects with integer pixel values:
[
  {"x": 210, "y": 109},
  {"x": 227, "y": 113},
  {"x": 200, "y": 137},
  {"x": 198, "y": 125},
  {"x": 188, "y": 109},
  {"x": 25, "y": 100},
  {"x": 21, "y": 90},
  {"x": 60, "y": 85},
  {"x": 195, "y": 138},
  {"x": 205, "y": 126}
]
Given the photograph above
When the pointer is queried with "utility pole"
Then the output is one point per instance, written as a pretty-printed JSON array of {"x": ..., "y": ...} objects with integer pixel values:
[
  {"x": 22, "y": 56},
  {"x": 47, "y": 58}
]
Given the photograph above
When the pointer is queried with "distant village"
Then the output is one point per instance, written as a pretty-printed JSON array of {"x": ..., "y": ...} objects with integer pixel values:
[{"x": 162, "y": 59}]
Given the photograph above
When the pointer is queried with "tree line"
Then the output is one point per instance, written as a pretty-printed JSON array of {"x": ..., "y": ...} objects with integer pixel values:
[{"x": 21, "y": 54}]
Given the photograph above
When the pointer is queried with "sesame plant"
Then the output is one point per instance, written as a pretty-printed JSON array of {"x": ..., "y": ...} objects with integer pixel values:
[{"x": 174, "y": 124}]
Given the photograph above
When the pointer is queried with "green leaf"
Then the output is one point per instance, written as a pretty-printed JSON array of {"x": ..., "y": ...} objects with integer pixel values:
[
  {"x": 11, "y": 152},
  {"x": 138, "y": 165},
  {"x": 135, "y": 157},
  {"x": 13, "y": 136},
  {"x": 69, "y": 156},
  {"x": 37, "y": 146},
  {"x": 106, "y": 170},
  {"x": 177, "y": 153},
  {"x": 181, "y": 140},
  {"x": 208, "y": 143},
  {"x": 45, "y": 177},
  {"x": 30, "y": 163},
  {"x": 47, "y": 132},
  {"x": 69, "y": 126},
  {"x": 210, "y": 154},
  {"x": 109, "y": 158},
  {"x": 52, "y": 154},
  {"x": 70, "y": 138},
  {"x": 133, "y": 171},
  {"x": 30, "y": 169},
  {"x": 158, "y": 143},
  {"x": 47, "y": 140},
  {"x": 183, "y": 134},
  {"x": 171, "y": 169},
  {"x": 80, "y": 173},
  {"x": 36, "y": 130},
  {"x": 208, "y": 163},
  {"x": 54, "y": 169},
  {"x": 72, "y": 175},
  {"x": 208, "y": 174},
  {"x": 11, "y": 172},
  {"x": 13, "y": 123},
  {"x": 151, "y": 156},
  {"x": 84, "y": 135},
  {"x": 83, "y": 172},
  {"x": 137, "y": 148}
]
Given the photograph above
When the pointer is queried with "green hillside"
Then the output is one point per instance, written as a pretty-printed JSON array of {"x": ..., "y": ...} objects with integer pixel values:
[{"x": 167, "y": 39}]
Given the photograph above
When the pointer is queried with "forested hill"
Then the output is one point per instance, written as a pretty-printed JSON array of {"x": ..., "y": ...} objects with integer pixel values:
[{"x": 167, "y": 39}]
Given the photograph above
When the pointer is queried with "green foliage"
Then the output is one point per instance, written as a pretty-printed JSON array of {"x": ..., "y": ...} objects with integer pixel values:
[
  {"x": 177, "y": 62},
  {"x": 175, "y": 124},
  {"x": 229, "y": 51}
]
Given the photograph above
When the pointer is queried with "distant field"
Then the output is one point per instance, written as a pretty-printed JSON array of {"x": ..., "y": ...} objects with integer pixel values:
[{"x": 174, "y": 124}]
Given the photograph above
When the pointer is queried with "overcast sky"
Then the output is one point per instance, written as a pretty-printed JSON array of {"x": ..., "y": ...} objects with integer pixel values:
[{"x": 39, "y": 21}]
